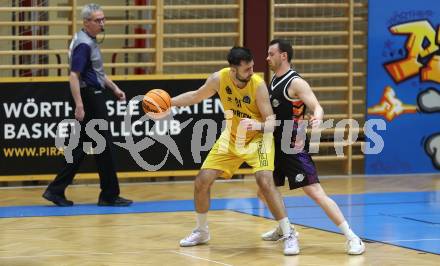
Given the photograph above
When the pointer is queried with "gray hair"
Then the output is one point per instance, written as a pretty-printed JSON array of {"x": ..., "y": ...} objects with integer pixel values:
[{"x": 89, "y": 9}]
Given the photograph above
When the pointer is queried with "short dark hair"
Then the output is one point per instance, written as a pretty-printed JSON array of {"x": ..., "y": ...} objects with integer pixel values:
[
  {"x": 284, "y": 46},
  {"x": 238, "y": 54}
]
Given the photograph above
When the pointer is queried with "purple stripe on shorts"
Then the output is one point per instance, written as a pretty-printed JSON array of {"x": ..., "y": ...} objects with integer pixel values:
[{"x": 308, "y": 166}]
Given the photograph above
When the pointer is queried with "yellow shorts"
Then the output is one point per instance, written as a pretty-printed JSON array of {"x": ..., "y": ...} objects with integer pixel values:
[{"x": 227, "y": 156}]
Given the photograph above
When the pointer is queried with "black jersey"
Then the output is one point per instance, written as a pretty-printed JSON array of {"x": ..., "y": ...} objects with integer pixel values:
[{"x": 289, "y": 111}]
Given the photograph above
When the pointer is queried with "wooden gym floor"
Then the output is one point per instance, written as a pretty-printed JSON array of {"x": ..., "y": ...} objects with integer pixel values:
[{"x": 148, "y": 232}]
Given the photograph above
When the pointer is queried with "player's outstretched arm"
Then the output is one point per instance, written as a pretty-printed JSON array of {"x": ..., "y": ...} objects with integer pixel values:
[
  {"x": 302, "y": 90},
  {"x": 193, "y": 97}
]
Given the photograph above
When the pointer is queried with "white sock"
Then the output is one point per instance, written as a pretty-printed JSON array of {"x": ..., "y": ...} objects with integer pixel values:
[
  {"x": 202, "y": 221},
  {"x": 345, "y": 228},
  {"x": 285, "y": 226}
]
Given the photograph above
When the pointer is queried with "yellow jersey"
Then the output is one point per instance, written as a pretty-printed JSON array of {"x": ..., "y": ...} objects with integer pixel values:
[{"x": 239, "y": 103}]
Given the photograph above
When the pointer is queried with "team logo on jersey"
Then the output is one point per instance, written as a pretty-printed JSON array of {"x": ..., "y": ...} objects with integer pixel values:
[
  {"x": 228, "y": 90},
  {"x": 275, "y": 103},
  {"x": 246, "y": 99},
  {"x": 297, "y": 103},
  {"x": 298, "y": 111},
  {"x": 299, "y": 178}
]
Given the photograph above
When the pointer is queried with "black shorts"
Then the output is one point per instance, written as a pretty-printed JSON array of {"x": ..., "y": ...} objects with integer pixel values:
[{"x": 299, "y": 169}]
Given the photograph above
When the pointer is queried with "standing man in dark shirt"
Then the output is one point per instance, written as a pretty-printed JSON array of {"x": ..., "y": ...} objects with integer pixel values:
[
  {"x": 290, "y": 95},
  {"x": 87, "y": 84}
]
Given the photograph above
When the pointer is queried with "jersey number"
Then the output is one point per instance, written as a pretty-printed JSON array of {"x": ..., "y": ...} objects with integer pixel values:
[{"x": 238, "y": 102}]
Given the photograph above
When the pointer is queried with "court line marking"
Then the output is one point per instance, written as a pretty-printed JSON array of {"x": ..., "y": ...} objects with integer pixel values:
[
  {"x": 249, "y": 179},
  {"x": 122, "y": 184},
  {"x": 409, "y": 218},
  {"x": 419, "y": 220},
  {"x": 57, "y": 255},
  {"x": 33, "y": 256},
  {"x": 413, "y": 240},
  {"x": 365, "y": 239},
  {"x": 9, "y": 245},
  {"x": 196, "y": 257}
]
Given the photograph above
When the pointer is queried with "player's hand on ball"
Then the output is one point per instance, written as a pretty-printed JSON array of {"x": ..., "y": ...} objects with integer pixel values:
[{"x": 156, "y": 104}]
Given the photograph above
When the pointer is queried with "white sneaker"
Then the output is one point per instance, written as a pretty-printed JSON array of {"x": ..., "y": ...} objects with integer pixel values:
[
  {"x": 276, "y": 234},
  {"x": 355, "y": 246},
  {"x": 291, "y": 246},
  {"x": 196, "y": 237}
]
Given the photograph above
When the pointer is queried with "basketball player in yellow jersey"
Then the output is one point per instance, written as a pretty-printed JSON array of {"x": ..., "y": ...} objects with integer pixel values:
[{"x": 245, "y": 99}]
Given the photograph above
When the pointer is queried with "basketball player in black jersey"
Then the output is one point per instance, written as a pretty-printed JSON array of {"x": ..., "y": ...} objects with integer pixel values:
[{"x": 290, "y": 95}]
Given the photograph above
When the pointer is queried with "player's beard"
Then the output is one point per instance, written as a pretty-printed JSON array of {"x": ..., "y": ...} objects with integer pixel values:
[
  {"x": 273, "y": 65},
  {"x": 241, "y": 79}
]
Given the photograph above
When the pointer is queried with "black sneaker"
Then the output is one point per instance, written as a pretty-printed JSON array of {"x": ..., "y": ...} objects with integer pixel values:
[
  {"x": 59, "y": 200},
  {"x": 117, "y": 202}
]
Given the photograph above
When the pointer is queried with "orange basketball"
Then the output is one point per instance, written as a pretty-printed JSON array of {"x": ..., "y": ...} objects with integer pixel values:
[{"x": 156, "y": 101}]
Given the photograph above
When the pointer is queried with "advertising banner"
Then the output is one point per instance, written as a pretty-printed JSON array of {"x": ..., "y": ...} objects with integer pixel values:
[
  {"x": 31, "y": 114},
  {"x": 403, "y": 86}
]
